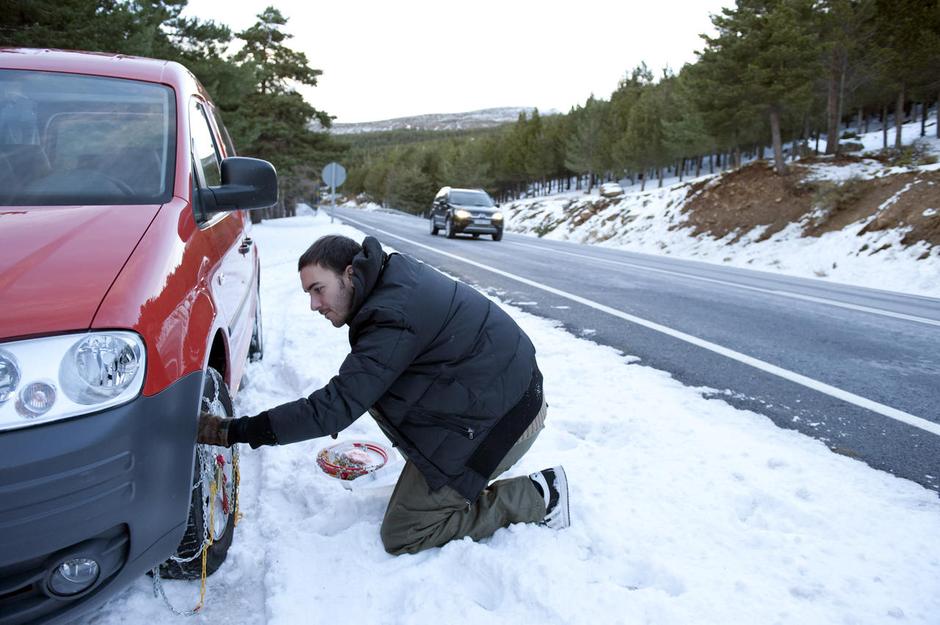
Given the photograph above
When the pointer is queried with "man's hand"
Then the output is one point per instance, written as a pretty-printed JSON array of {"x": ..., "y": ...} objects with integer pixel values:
[{"x": 213, "y": 430}]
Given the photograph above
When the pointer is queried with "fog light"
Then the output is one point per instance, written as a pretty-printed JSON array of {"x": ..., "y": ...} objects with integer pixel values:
[
  {"x": 74, "y": 576},
  {"x": 36, "y": 399}
]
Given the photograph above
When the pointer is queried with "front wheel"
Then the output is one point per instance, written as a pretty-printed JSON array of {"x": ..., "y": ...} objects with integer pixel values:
[
  {"x": 214, "y": 504},
  {"x": 434, "y": 228},
  {"x": 498, "y": 236},
  {"x": 449, "y": 228}
]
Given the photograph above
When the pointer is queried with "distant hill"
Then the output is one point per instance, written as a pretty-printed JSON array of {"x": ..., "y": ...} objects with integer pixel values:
[{"x": 485, "y": 118}]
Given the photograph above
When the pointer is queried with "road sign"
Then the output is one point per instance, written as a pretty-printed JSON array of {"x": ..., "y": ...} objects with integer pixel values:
[{"x": 334, "y": 175}]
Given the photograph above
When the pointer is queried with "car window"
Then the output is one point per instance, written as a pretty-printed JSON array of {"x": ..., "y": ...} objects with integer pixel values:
[
  {"x": 203, "y": 145},
  {"x": 223, "y": 131},
  {"x": 75, "y": 139},
  {"x": 470, "y": 198}
]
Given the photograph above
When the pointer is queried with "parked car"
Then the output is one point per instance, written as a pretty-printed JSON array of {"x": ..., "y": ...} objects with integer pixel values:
[
  {"x": 469, "y": 211},
  {"x": 611, "y": 189},
  {"x": 129, "y": 283}
]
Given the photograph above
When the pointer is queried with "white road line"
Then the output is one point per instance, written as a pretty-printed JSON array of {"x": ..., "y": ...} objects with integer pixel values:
[
  {"x": 786, "y": 374},
  {"x": 808, "y": 298}
]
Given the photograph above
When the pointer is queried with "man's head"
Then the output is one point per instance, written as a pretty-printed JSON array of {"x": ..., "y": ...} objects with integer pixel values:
[{"x": 326, "y": 275}]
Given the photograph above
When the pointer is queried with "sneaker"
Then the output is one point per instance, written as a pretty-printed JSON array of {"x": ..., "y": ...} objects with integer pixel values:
[{"x": 553, "y": 484}]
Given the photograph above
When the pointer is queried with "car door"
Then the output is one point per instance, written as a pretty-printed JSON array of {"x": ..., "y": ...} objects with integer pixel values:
[
  {"x": 436, "y": 208},
  {"x": 228, "y": 231}
]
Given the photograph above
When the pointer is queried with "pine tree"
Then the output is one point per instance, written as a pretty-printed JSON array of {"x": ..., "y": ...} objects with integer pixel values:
[
  {"x": 907, "y": 38},
  {"x": 683, "y": 125},
  {"x": 645, "y": 136},
  {"x": 765, "y": 53},
  {"x": 584, "y": 149},
  {"x": 622, "y": 102},
  {"x": 273, "y": 120},
  {"x": 844, "y": 35}
]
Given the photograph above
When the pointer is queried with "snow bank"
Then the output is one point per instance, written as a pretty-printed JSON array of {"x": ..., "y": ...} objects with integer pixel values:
[
  {"x": 652, "y": 222},
  {"x": 684, "y": 509}
]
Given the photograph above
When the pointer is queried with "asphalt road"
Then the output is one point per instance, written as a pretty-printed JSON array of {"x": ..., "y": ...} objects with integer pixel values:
[{"x": 856, "y": 368}]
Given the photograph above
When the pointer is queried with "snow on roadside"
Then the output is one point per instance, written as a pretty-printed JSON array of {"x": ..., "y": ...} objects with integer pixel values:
[
  {"x": 651, "y": 222},
  {"x": 684, "y": 509}
]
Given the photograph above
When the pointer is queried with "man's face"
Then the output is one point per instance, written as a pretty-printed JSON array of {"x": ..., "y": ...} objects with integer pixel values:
[{"x": 331, "y": 294}]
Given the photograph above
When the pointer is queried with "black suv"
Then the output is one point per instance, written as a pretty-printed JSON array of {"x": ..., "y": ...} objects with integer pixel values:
[{"x": 470, "y": 211}]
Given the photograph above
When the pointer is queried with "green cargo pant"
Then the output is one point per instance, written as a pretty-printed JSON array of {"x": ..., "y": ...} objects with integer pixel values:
[{"x": 418, "y": 518}]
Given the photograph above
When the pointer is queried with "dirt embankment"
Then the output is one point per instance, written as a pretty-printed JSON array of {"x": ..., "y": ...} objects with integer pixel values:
[{"x": 754, "y": 196}]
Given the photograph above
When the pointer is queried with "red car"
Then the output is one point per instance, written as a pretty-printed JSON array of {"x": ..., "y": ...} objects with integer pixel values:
[{"x": 128, "y": 301}]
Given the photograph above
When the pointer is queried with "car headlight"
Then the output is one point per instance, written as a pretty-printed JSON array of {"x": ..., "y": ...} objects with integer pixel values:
[
  {"x": 497, "y": 217},
  {"x": 462, "y": 214},
  {"x": 9, "y": 375},
  {"x": 58, "y": 377}
]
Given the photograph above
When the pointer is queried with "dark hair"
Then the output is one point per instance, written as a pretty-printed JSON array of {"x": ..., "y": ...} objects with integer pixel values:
[{"x": 333, "y": 251}]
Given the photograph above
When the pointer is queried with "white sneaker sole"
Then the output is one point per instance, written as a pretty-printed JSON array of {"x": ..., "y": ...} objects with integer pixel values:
[{"x": 563, "y": 518}]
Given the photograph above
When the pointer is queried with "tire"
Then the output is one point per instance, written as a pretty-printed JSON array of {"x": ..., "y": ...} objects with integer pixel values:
[
  {"x": 215, "y": 399},
  {"x": 434, "y": 228},
  {"x": 256, "y": 347},
  {"x": 449, "y": 228},
  {"x": 498, "y": 236},
  {"x": 476, "y": 236}
]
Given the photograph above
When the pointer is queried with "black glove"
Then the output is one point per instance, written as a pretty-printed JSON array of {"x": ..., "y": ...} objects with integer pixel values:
[{"x": 213, "y": 430}]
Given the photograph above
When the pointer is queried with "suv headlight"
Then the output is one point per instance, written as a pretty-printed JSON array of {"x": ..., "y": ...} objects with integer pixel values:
[
  {"x": 57, "y": 377},
  {"x": 497, "y": 217},
  {"x": 462, "y": 214}
]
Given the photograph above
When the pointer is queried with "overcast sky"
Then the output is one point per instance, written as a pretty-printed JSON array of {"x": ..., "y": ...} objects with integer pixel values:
[{"x": 386, "y": 59}]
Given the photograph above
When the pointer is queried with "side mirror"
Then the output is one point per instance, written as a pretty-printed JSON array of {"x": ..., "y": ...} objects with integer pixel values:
[{"x": 246, "y": 183}]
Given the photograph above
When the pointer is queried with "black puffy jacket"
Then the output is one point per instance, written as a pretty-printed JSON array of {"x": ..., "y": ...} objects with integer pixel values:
[{"x": 443, "y": 368}]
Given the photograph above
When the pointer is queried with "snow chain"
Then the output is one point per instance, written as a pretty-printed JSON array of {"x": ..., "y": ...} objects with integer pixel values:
[{"x": 212, "y": 472}]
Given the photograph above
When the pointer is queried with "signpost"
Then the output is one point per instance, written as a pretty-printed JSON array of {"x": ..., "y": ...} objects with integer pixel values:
[{"x": 334, "y": 175}]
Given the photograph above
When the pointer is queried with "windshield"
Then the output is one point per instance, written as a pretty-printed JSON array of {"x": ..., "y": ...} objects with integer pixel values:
[
  {"x": 470, "y": 198},
  {"x": 72, "y": 139}
]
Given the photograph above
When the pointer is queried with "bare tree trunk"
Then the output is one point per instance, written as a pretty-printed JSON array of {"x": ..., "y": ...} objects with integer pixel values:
[
  {"x": 923, "y": 119},
  {"x": 737, "y": 156},
  {"x": 842, "y": 71},
  {"x": 899, "y": 118},
  {"x": 779, "y": 165},
  {"x": 642, "y": 180},
  {"x": 884, "y": 127},
  {"x": 858, "y": 124},
  {"x": 659, "y": 174},
  {"x": 681, "y": 168},
  {"x": 817, "y": 142},
  {"x": 832, "y": 105},
  {"x": 698, "y": 166}
]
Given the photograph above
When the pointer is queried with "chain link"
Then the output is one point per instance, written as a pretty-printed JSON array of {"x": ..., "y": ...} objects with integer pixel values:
[{"x": 211, "y": 472}]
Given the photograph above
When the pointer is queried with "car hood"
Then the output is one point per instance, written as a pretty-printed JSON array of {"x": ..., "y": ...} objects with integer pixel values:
[{"x": 58, "y": 262}]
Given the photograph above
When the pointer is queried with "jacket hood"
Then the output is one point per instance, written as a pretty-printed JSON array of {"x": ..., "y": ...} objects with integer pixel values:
[
  {"x": 367, "y": 267},
  {"x": 58, "y": 262}
]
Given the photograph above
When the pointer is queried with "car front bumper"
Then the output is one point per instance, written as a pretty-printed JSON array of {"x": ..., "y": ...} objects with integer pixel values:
[
  {"x": 477, "y": 227},
  {"x": 113, "y": 486}
]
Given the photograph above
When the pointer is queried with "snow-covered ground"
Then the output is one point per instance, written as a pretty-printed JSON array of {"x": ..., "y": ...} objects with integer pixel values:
[
  {"x": 684, "y": 509},
  {"x": 651, "y": 222}
]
